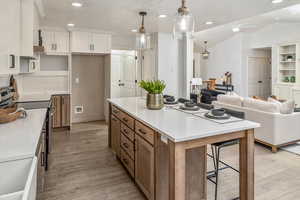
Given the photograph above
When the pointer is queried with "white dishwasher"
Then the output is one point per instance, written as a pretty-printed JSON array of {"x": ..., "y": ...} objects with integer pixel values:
[{"x": 18, "y": 179}]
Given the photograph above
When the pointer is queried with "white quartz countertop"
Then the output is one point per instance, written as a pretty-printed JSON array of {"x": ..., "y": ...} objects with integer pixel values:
[
  {"x": 40, "y": 96},
  {"x": 19, "y": 139},
  {"x": 176, "y": 125}
]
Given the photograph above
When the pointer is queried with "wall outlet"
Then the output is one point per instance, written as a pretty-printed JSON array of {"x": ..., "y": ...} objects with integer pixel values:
[{"x": 78, "y": 109}]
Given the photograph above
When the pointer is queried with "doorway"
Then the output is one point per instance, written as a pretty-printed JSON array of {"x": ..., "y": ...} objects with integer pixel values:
[{"x": 259, "y": 77}]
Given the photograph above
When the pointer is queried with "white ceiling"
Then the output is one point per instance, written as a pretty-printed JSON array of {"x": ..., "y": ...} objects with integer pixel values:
[
  {"x": 290, "y": 14},
  {"x": 120, "y": 16}
]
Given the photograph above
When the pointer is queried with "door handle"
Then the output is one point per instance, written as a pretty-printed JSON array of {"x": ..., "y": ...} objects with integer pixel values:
[
  {"x": 260, "y": 82},
  {"x": 13, "y": 61}
]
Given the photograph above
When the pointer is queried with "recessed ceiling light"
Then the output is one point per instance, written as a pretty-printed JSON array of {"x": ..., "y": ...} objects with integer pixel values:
[
  {"x": 77, "y": 4},
  {"x": 134, "y": 30},
  {"x": 236, "y": 29},
  {"x": 162, "y": 16},
  {"x": 277, "y": 1},
  {"x": 209, "y": 23},
  {"x": 71, "y": 25}
]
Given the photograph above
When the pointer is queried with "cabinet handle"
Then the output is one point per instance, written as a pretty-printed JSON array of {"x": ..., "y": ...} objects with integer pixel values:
[
  {"x": 13, "y": 61},
  {"x": 125, "y": 145},
  {"x": 141, "y": 131}
]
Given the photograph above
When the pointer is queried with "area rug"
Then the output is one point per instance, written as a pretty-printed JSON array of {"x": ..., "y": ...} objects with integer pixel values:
[{"x": 294, "y": 148}]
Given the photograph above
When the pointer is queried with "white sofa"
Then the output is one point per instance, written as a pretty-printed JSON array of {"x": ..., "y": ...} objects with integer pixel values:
[{"x": 276, "y": 129}]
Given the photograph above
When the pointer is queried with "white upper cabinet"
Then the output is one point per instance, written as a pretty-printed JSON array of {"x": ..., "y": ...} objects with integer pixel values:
[
  {"x": 86, "y": 42},
  {"x": 10, "y": 36},
  {"x": 56, "y": 42},
  {"x": 27, "y": 10}
]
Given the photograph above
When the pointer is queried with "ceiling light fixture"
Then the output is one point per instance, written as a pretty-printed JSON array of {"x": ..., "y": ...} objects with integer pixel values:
[
  {"x": 205, "y": 53},
  {"x": 162, "y": 16},
  {"x": 277, "y": 1},
  {"x": 142, "y": 39},
  {"x": 71, "y": 25},
  {"x": 184, "y": 22},
  {"x": 236, "y": 29},
  {"x": 209, "y": 23},
  {"x": 77, "y": 4},
  {"x": 134, "y": 30}
]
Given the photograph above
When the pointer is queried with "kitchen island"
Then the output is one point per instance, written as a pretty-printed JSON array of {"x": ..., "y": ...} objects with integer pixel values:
[{"x": 164, "y": 151}]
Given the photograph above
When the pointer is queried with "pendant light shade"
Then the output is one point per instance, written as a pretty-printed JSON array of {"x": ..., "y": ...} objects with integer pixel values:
[
  {"x": 142, "y": 38},
  {"x": 184, "y": 22}
]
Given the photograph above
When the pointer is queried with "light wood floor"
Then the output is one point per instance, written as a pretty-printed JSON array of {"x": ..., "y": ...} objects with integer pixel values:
[{"x": 83, "y": 168}]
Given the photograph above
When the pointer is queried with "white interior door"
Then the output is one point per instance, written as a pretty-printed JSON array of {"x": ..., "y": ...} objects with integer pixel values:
[
  {"x": 124, "y": 76},
  {"x": 129, "y": 76},
  {"x": 259, "y": 77}
]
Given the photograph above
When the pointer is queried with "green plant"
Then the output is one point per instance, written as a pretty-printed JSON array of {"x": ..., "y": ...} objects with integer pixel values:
[{"x": 153, "y": 87}]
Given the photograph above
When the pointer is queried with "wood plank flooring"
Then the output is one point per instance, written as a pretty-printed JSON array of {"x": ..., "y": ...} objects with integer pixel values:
[{"x": 83, "y": 168}]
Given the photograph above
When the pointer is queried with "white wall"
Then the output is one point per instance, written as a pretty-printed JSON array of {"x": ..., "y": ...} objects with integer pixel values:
[
  {"x": 89, "y": 92},
  {"x": 224, "y": 57},
  {"x": 232, "y": 54},
  {"x": 123, "y": 42}
]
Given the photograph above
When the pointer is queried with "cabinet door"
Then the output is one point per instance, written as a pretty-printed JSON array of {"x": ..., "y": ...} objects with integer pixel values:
[
  {"x": 56, "y": 120},
  {"x": 283, "y": 92},
  {"x": 48, "y": 41},
  {"x": 10, "y": 36},
  {"x": 100, "y": 43},
  {"x": 27, "y": 28},
  {"x": 41, "y": 166},
  {"x": 296, "y": 97},
  {"x": 62, "y": 42},
  {"x": 65, "y": 110},
  {"x": 144, "y": 166},
  {"x": 80, "y": 42},
  {"x": 115, "y": 135}
]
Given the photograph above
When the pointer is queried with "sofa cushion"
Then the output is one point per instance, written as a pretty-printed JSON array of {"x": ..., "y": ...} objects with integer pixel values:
[
  {"x": 261, "y": 105},
  {"x": 285, "y": 107},
  {"x": 231, "y": 99}
]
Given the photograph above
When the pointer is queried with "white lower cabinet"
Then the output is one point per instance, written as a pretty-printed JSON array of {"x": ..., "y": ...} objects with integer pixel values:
[
  {"x": 283, "y": 91},
  {"x": 18, "y": 179},
  {"x": 296, "y": 96}
]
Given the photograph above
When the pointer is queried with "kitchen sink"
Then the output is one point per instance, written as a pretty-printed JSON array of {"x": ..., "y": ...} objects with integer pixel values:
[{"x": 18, "y": 179}]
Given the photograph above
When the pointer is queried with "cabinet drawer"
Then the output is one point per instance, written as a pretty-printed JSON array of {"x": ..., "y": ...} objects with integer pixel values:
[
  {"x": 128, "y": 132},
  {"x": 128, "y": 162},
  {"x": 129, "y": 121},
  {"x": 116, "y": 112},
  {"x": 145, "y": 132},
  {"x": 127, "y": 146}
]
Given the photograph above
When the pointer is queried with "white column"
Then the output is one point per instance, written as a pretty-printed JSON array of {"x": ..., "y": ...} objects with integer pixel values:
[{"x": 186, "y": 52}]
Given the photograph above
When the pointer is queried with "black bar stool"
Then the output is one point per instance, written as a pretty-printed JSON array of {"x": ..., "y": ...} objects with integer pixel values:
[{"x": 216, "y": 151}]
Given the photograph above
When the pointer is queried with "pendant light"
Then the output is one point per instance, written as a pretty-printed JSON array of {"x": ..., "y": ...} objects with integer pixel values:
[
  {"x": 205, "y": 53},
  {"x": 142, "y": 39},
  {"x": 184, "y": 22}
]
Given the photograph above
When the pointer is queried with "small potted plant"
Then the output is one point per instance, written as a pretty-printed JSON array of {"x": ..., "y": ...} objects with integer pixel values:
[{"x": 155, "y": 100}]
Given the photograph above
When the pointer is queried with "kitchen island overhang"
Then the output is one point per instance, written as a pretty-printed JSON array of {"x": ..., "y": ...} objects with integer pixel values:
[{"x": 179, "y": 147}]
